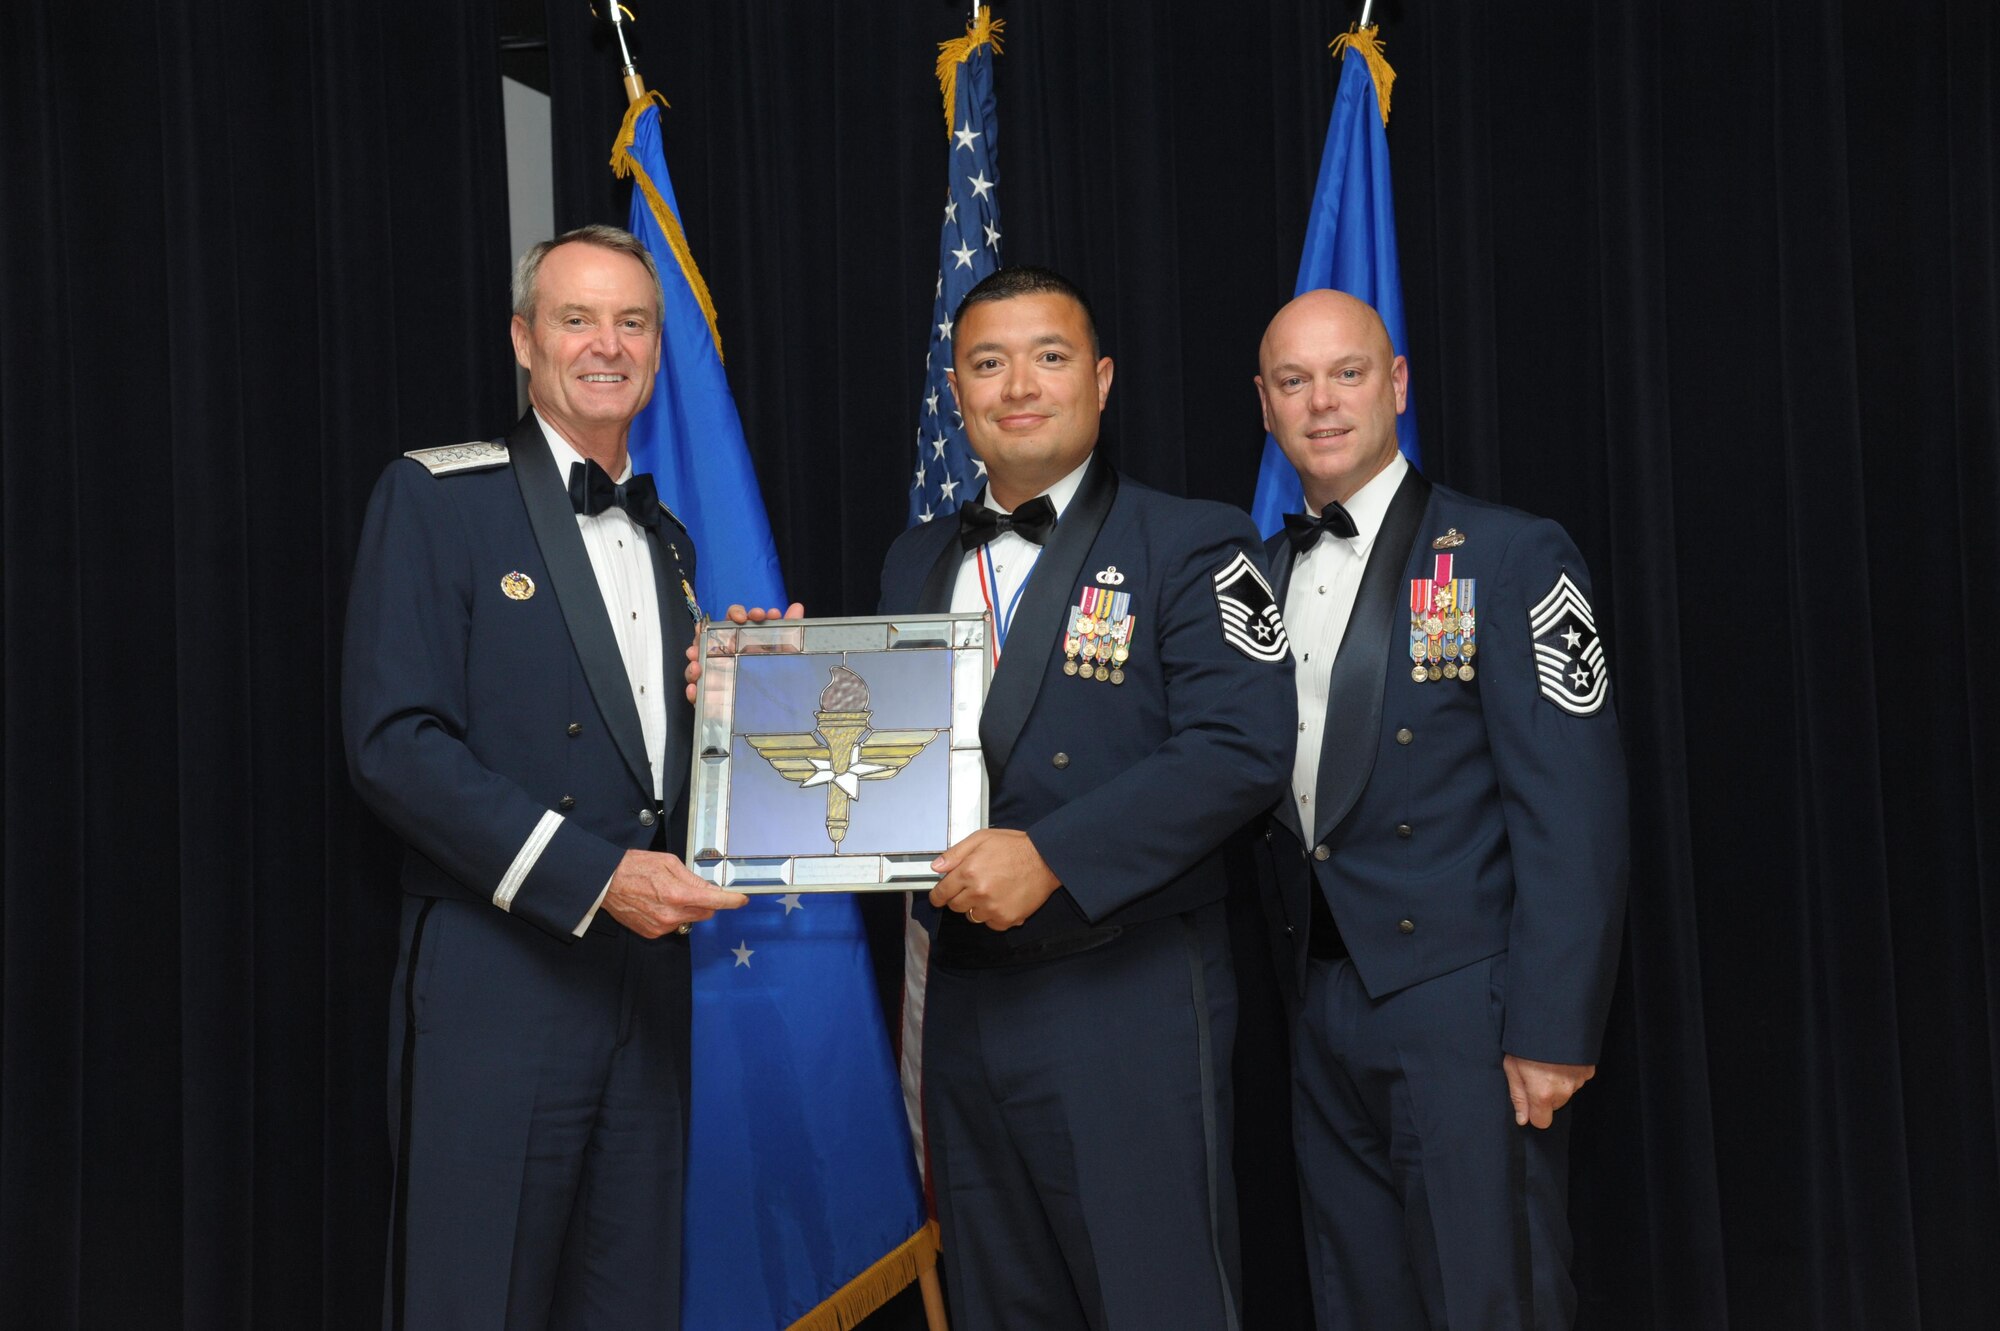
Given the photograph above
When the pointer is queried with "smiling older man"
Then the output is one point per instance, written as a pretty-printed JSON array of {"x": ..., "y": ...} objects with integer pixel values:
[{"x": 513, "y": 710}]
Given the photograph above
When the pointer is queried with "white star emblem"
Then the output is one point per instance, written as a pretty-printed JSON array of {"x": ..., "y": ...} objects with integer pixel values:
[
  {"x": 1572, "y": 637},
  {"x": 926, "y": 515},
  {"x": 1580, "y": 677},
  {"x": 920, "y": 471},
  {"x": 939, "y": 443},
  {"x": 951, "y": 210},
  {"x": 964, "y": 253},
  {"x": 931, "y": 401},
  {"x": 992, "y": 236},
  {"x": 945, "y": 491},
  {"x": 944, "y": 331},
  {"x": 965, "y": 134},
  {"x": 790, "y": 901},
  {"x": 743, "y": 952},
  {"x": 981, "y": 465},
  {"x": 849, "y": 781},
  {"x": 980, "y": 185}
]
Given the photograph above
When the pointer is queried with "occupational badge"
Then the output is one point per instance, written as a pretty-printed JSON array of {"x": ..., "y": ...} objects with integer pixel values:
[
  {"x": 1451, "y": 540},
  {"x": 518, "y": 586},
  {"x": 1250, "y": 619},
  {"x": 1568, "y": 656},
  {"x": 1111, "y": 577},
  {"x": 1443, "y": 623}
]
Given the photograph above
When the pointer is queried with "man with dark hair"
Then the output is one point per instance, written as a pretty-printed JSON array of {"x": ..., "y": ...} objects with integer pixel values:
[
  {"x": 513, "y": 711},
  {"x": 1446, "y": 880},
  {"x": 1081, "y": 1007}
]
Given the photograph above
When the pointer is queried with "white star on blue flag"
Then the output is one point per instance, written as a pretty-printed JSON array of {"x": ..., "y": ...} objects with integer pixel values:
[{"x": 968, "y": 249}]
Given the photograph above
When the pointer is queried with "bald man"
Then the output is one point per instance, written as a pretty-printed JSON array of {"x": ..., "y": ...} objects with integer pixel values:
[{"x": 1445, "y": 883}]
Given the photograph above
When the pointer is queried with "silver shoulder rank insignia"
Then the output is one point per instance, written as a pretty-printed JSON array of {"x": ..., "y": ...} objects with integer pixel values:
[
  {"x": 1452, "y": 539},
  {"x": 518, "y": 586},
  {"x": 1568, "y": 656},
  {"x": 1250, "y": 619},
  {"x": 475, "y": 456},
  {"x": 1111, "y": 577}
]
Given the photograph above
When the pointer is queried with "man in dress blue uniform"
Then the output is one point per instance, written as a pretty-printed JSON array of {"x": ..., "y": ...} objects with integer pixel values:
[
  {"x": 1446, "y": 881},
  {"x": 513, "y": 709},
  {"x": 1081, "y": 1005}
]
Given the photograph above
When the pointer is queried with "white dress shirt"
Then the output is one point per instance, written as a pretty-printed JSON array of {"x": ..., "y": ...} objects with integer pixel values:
[
  {"x": 1012, "y": 558},
  {"x": 1318, "y": 603},
  {"x": 622, "y": 559}
]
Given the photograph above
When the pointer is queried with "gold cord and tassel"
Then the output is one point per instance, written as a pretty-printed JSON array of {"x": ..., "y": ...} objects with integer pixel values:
[
  {"x": 623, "y": 164},
  {"x": 954, "y": 53},
  {"x": 1369, "y": 45},
  {"x": 877, "y": 1285}
]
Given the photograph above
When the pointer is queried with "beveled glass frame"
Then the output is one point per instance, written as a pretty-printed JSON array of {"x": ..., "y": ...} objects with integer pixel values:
[{"x": 724, "y": 648}]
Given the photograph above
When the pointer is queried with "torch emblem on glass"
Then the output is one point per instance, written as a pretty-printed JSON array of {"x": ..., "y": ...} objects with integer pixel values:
[{"x": 842, "y": 752}]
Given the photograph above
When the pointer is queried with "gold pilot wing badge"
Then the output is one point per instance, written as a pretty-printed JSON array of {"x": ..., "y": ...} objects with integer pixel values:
[{"x": 842, "y": 751}]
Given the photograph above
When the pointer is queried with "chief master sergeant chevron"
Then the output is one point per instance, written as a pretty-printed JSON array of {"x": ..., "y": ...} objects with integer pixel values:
[
  {"x": 512, "y": 709},
  {"x": 1446, "y": 881},
  {"x": 1082, "y": 1007}
]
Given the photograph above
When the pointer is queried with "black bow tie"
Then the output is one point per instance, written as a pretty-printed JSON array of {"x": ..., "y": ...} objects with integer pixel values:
[
  {"x": 1303, "y": 529},
  {"x": 1032, "y": 521},
  {"x": 591, "y": 491}
]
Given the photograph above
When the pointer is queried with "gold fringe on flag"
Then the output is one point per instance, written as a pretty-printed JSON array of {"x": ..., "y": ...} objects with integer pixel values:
[
  {"x": 877, "y": 1285},
  {"x": 1365, "y": 41},
  {"x": 954, "y": 53},
  {"x": 624, "y": 164}
]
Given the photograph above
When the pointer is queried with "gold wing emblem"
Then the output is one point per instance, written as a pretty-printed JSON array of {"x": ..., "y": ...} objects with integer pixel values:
[
  {"x": 890, "y": 751},
  {"x": 793, "y": 755}
]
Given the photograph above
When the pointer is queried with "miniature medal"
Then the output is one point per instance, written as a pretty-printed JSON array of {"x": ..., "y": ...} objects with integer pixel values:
[{"x": 1420, "y": 613}]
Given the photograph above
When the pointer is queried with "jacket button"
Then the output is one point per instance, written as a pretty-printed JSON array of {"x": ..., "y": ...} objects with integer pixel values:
[
  {"x": 1290, "y": 932},
  {"x": 1060, "y": 760},
  {"x": 1320, "y": 853},
  {"x": 575, "y": 729},
  {"x": 1406, "y": 926},
  {"x": 1268, "y": 833},
  {"x": 1405, "y": 735},
  {"x": 1403, "y": 831},
  {"x": 566, "y": 802},
  {"x": 645, "y": 817}
]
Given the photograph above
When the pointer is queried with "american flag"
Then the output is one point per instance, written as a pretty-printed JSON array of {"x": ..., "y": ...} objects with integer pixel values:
[{"x": 946, "y": 473}]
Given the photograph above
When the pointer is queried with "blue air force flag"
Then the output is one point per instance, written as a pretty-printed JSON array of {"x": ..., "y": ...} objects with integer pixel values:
[
  {"x": 1350, "y": 241},
  {"x": 801, "y": 1199}
]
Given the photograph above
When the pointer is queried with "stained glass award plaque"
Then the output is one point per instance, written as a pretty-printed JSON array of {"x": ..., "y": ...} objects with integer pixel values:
[{"x": 837, "y": 755}]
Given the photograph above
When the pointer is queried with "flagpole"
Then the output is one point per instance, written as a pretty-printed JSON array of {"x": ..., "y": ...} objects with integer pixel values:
[
  {"x": 635, "y": 87},
  {"x": 1367, "y": 6}
]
